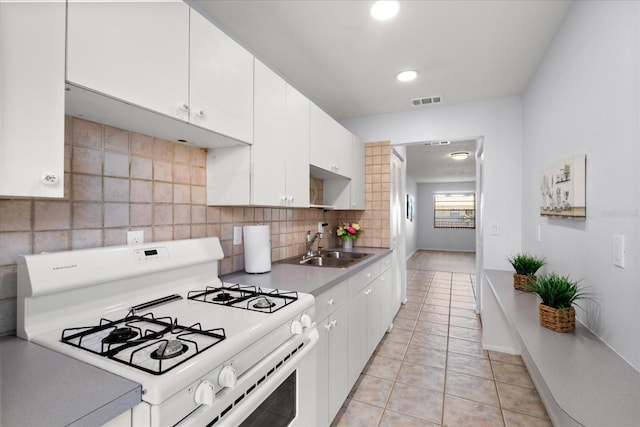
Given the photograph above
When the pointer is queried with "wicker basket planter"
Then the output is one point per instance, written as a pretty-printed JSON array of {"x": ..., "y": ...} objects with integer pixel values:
[
  {"x": 559, "y": 320},
  {"x": 522, "y": 282}
]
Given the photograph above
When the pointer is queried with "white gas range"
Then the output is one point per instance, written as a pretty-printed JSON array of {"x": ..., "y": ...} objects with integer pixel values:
[{"x": 205, "y": 352}]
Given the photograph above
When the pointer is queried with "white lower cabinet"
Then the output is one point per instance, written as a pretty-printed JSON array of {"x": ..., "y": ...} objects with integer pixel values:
[{"x": 354, "y": 318}]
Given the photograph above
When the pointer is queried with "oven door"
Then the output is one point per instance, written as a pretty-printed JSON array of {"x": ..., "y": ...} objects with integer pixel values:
[{"x": 278, "y": 391}]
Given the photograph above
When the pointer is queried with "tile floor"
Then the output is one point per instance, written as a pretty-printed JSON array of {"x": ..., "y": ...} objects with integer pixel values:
[{"x": 431, "y": 370}]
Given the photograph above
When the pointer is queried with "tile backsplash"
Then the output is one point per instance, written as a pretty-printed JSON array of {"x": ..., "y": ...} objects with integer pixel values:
[{"x": 116, "y": 181}]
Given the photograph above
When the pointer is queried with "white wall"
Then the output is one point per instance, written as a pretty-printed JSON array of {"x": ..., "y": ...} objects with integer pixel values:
[
  {"x": 442, "y": 239},
  {"x": 499, "y": 121},
  {"x": 584, "y": 99},
  {"x": 411, "y": 227}
]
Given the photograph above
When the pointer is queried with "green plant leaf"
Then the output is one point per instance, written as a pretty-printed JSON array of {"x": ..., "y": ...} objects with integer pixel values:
[{"x": 526, "y": 264}]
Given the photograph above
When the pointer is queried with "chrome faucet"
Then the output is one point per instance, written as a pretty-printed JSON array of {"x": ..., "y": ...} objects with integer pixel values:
[{"x": 310, "y": 240}]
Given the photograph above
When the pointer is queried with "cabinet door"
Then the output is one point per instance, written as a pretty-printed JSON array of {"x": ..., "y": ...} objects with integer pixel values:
[
  {"x": 134, "y": 51},
  {"x": 322, "y": 373},
  {"x": 297, "y": 148},
  {"x": 221, "y": 81},
  {"x": 374, "y": 320},
  {"x": 32, "y": 43},
  {"x": 388, "y": 309},
  {"x": 343, "y": 157},
  {"x": 357, "y": 320},
  {"x": 322, "y": 134},
  {"x": 269, "y": 159},
  {"x": 339, "y": 384},
  {"x": 357, "y": 174}
]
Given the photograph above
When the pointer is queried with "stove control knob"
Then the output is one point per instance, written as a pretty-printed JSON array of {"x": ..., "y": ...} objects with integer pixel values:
[
  {"x": 227, "y": 377},
  {"x": 296, "y": 327},
  {"x": 205, "y": 393},
  {"x": 305, "y": 320}
]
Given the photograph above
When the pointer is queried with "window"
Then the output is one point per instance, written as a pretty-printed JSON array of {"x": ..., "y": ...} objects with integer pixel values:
[{"x": 454, "y": 210}]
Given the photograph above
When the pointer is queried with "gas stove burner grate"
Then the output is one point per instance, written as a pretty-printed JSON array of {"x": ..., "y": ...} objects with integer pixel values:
[
  {"x": 173, "y": 344},
  {"x": 245, "y": 297},
  {"x": 222, "y": 296},
  {"x": 120, "y": 336}
]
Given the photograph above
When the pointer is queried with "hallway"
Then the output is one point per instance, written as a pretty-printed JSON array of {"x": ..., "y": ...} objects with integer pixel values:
[{"x": 430, "y": 370}]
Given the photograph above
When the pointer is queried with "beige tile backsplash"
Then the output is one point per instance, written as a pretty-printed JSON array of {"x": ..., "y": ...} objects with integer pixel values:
[{"x": 116, "y": 181}]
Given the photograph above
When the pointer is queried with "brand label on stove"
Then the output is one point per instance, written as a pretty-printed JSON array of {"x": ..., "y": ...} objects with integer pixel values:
[{"x": 65, "y": 267}]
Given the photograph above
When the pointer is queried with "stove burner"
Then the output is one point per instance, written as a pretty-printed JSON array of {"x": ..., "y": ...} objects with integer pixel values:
[
  {"x": 169, "y": 350},
  {"x": 222, "y": 296},
  {"x": 264, "y": 302},
  {"x": 119, "y": 336}
]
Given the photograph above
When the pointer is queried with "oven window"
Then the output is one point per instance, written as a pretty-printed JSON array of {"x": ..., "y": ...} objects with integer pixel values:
[{"x": 278, "y": 410}]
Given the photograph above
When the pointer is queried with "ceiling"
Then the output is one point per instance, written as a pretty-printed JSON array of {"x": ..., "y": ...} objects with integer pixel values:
[
  {"x": 344, "y": 61},
  {"x": 433, "y": 164}
]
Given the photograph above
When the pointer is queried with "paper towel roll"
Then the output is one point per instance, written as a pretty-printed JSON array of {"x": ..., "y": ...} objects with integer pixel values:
[{"x": 257, "y": 248}]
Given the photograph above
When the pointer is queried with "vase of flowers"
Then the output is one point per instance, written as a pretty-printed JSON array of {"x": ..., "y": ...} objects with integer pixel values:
[{"x": 348, "y": 233}]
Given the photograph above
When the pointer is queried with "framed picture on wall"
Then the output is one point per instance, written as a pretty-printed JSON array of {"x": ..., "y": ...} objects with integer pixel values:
[
  {"x": 409, "y": 207},
  {"x": 563, "y": 188}
]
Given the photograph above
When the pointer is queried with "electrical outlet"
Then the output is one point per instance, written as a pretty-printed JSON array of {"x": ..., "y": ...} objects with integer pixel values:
[
  {"x": 237, "y": 235},
  {"x": 135, "y": 237},
  {"x": 618, "y": 250}
]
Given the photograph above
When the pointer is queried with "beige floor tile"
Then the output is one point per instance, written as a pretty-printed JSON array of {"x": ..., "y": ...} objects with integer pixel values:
[
  {"x": 469, "y": 365},
  {"x": 465, "y": 333},
  {"x": 472, "y": 388},
  {"x": 470, "y": 348},
  {"x": 406, "y": 313},
  {"x": 463, "y": 298},
  {"x": 394, "y": 419},
  {"x": 430, "y": 308},
  {"x": 520, "y": 399},
  {"x": 514, "y": 359},
  {"x": 401, "y": 323},
  {"x": 426, "y": 356},
  {"x": 421, "y": 376},
  {"x": 392, "y": 349},
  {"x": 429, "y": 340},
  {"x": 462, "y": 305},
  {"x": 357, "y": 414},
  {"x": 437, "y": 301},
  {"x": 514, "y": 419},
  {"x": 434, "y": 317},
  {"x": 416, "y": 402},
  {"x": 411, "y": 305},
  {"x": 399, "y": 335},
  {"x": 372, "y": 390},
  {"x": 383, "y": 367},
  {"x": 462, "y": 413},
  {"x": 465, "y": 322},
  {"x": 432, "y": 328},
  {"x": 512, "y": 374},
  {"x": 463, "y": 312}
]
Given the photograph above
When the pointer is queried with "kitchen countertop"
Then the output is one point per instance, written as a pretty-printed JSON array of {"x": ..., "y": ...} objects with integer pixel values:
[
  {"x": 304, "y": 278},
  {"x": 590, "y": 382},
  {"x": 40, "y": 387}
]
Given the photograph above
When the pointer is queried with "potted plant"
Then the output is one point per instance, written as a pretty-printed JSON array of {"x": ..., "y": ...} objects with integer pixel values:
[
  {"x": 526, "y": 267},
  {"x": 559, "y": 294},
  {"x": 348, "y": 233}
]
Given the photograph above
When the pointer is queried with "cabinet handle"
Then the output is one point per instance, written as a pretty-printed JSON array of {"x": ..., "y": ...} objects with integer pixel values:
[
  {"x": 199, "y": 114},
  {"x": 283, "y": 200},
  {"x": 328, "y": 326},
  {"x": 185, "y": 107},
  {"x": 330, "y": 302},
  {"x": 367, "y": 292},
  {"x": 368, "y": 275},
  {"x": 334, "y": 323}
]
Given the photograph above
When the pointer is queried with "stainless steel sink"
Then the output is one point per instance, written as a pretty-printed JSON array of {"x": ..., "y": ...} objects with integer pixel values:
[{"x": 335, "y": 259}]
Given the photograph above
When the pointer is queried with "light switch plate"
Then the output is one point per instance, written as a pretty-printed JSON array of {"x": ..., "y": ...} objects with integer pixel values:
[
  {"x": 237, "y": 235},
  {"x": 494, "y": 229}
]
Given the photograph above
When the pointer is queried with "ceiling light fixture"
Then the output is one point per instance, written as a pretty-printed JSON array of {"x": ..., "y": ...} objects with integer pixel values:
[
  {"x": 459, "y": 155},
  {"x": 407, "y": 76},
  {"x": 385, "y": 9}
]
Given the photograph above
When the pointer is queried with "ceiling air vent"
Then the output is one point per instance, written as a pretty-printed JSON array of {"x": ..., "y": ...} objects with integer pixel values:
[
  {"x": 431, "y": 143},
  {"x": 419, "y": 102}
]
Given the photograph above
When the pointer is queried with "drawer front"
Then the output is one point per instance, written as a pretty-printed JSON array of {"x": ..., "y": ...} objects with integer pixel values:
[
  {"x": 362, "y": 278},
  {"x": 385, "y": 263},
  {"x": 329, "y": 301}
]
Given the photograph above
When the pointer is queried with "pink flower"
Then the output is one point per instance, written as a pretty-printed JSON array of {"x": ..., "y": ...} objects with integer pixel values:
[{"x": 351, "y": 230}]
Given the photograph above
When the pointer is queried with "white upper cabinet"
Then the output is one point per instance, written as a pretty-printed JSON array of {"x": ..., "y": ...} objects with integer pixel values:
[
  {"x": 358, "y": 174},
  {"x": 32, "y": 42},
  {"x": 281, "y": 147},
  {"x": 221, "y": 81},
  {"x": 134, "y": 51},
  {"x": 330, "y": 144}
]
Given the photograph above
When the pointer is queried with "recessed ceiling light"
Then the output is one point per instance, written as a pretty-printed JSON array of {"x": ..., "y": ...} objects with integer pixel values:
[
  {"x": 407, "y": 76},
  {"x": 459, "y": 155},
  {"x": 385, "y": 9}
]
